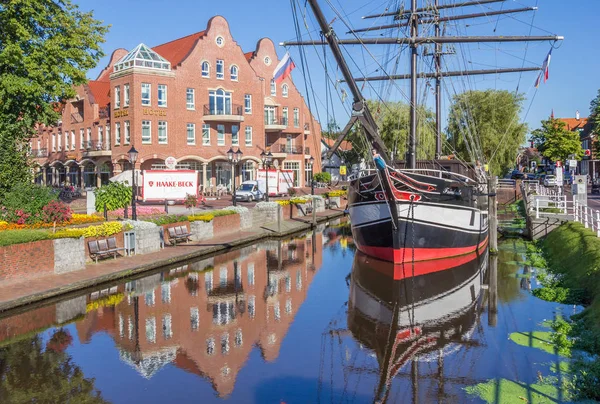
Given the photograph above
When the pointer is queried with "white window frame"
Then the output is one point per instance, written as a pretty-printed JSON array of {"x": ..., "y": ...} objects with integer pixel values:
[
  {"x": 220, "y": 135},
  {"x": 117, "y": 97},
  {"x": 205, "y": 72},
  {"x": 147, "y": 101},
  {"x": 127, "y": 138},
  {"x": 162, "y": 125},
  {"x": 125, "y": 95},
  {"x": 285, "y": 116},
  {"x": 248, "y": 136},
  {"x": 162, "y": 103},
  {"x": 248, "y": 104},
  {"x": 234, "y": 76},
  {"x": 191, "y": 126},
  {"x": 89, "y": 137},
  {"x": 81, "y": 138},
  {"x": 107, "y": 136},
  {"x": 273, "y": 88},
  {"x": 167, "y": 324},
  {"x": 151, "y": 329},
  {"x": 117, "y": 133},
  {"x": 147, "y": 140},
  {"x": 296, "y": 117},
  {"x": 205, "y": 132},
  {"x": 54, "y": 142},
  {"x": 235, "y": 141},
  {"x": 285, "y": 89},
  {"x": 221, "y": 64},
  {"x": 190, "y": 105},
  {"x": 73, "y": 140},
  {"x": 100, "y": 138}
]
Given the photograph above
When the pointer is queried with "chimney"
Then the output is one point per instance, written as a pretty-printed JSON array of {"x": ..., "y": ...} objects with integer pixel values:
[{"x": 577, "y": 115}]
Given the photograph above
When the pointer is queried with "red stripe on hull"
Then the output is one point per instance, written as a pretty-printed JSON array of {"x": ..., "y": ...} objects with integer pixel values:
[{"x": 426, "y": 260}]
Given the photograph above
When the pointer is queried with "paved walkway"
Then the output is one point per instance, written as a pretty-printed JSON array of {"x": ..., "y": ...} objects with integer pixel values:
[{"x": 21, "y": 292}]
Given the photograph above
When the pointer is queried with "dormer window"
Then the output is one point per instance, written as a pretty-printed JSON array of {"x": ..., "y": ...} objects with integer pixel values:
[
  {"x": 205, "y": 69},
  {"x": 234, "y": 73},
  {"x": 284, "y": 90}
]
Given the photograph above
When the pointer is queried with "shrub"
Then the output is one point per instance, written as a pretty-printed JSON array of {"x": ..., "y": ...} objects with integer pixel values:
[
  {"x": 167, "y": 219},
  {"x": 104, "y": 230},
  {"x": 322, "y": 177},
  {"x": 190, "y": 202},
  {"x": 69, "y": 233},
  {"x": 56, "y": 212},
  {"x": 115, "y": 195},
  {"x": 10, "y": 237},
  {"x": 25, "y": 203},
  {"x": 222, "y": 212}
]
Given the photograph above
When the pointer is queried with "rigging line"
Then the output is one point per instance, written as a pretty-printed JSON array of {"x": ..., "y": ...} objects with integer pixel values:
[{"x": 526, "y": 48}]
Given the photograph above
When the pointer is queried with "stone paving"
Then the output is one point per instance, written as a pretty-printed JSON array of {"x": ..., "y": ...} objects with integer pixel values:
[{"x": 22, "y": 292}]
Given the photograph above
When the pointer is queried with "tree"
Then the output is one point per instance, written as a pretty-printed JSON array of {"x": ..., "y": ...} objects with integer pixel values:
[
  {"x": 115, "y": 195},
  {"x": 46, "y": 48},
  {"x": 489, "y": 120},
  {"x": 556, "y": 142},
  {"x": 30, "y": 374},
  {"x": 595, "y": 113}
]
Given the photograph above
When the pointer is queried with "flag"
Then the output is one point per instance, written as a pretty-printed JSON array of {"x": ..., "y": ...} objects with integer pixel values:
[
  {"x": 284, "y": 68},
  {"x": 545, "y": 70}
]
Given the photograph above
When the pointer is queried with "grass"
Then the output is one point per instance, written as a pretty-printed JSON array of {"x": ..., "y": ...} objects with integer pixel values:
[
  {"x": 10, "y": 237},
  {"x": 504, "y": 391},
  {"x": 535, "y": 339}
]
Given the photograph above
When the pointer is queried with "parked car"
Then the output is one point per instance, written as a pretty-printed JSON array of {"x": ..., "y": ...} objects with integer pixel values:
[
  {"x": 517, "y": 175},
  {"x": 249, "y": 191},
  {"x": 596, "y": 187},
  {"x": 550, "y": 181}
]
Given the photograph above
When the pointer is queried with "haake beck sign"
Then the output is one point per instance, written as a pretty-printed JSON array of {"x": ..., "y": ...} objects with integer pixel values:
[{"x": 172, "y": 185}]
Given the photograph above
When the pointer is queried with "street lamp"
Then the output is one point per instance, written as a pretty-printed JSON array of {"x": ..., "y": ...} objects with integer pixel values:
[
  {"x": 266, "y": 159},
  {"x": 311, "y": 161},
  {"x": 133, "y": 153},
  {"x": 234, "y": 158}
]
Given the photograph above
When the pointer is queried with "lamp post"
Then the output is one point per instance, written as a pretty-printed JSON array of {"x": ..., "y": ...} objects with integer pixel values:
[
  {"x": 234, "y": 158},
  {"x": 133, "y": 153},
  {"x": 266, "y": 159},
  {"x": 311, "y": 161}
]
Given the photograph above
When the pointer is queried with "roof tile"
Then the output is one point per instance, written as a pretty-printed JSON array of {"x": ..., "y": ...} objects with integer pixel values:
[{"x": 177, "y": 50}]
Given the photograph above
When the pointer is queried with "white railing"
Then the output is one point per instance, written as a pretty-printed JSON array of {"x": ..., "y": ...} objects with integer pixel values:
[
  {"x": 506, "y": 183},
  {"x": 550, "y": 202},
  {"x": 590, "y": 218}
]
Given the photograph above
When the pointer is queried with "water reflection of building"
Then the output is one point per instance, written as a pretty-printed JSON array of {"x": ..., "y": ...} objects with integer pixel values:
[
  {"x": 207, "y": 316},
  {"x": 421, "y": 318}
]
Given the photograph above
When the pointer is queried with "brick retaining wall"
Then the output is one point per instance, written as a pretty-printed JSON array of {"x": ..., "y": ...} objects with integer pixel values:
[
  {"x": 226, "y": 224},
  {"x": 27, "y": 259}
]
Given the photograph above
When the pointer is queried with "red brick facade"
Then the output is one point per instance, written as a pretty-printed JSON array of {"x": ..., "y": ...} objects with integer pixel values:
[
  {"x": 27, "y": 259},
  {"x": 101, "y": 105}
]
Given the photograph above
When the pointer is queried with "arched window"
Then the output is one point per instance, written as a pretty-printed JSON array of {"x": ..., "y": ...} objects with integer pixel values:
[
  {"x": 205, "y": 69},
  {"x": 219, "y": 102},
  {"x": 234, "y": 72},
  {"x": 284, "y": 90}
]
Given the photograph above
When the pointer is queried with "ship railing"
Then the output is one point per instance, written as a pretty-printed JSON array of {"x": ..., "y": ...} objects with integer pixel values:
[{"x": 439, "y": 174}]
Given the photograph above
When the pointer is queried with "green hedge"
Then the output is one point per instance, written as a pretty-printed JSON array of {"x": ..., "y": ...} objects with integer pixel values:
[
  {"x": 10, "y": 237},
  {"x": 168, "y": 219}
]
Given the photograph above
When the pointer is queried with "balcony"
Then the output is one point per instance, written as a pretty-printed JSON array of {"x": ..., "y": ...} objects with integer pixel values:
[
  {"x": 227, "y": 113},
  {"x": 95, "y": 148},
  {"x": 306, "y": 130},
  {"x": 38, "y": 153},
  {"x": 275, "y": 123},
  {"x": 281, "y": 148}
]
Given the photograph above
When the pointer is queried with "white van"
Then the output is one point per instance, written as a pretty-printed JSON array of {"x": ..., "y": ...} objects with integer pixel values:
[{"x": 249, "y": 191}]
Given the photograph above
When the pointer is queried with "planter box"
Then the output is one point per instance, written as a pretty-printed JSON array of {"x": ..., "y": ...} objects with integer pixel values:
[
  {"x": 201, "y": 230},
  {"x": 147, "y": 240},
  {"x": 226, "y": 224},
  {"x": 70, "y": 254},
  {"x": 27, "y": 259}
]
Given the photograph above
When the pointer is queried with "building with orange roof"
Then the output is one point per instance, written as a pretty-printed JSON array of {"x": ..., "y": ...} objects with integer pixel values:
[
  {"x": 193, "y": 98},
  {"x": 584, "y": 127}
]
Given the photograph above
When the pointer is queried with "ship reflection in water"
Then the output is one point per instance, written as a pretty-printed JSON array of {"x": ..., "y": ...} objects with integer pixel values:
[{"x": 413, "y": 319}]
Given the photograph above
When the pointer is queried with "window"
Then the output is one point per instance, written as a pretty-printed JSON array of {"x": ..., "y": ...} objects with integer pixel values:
[
  {"x": 248, "y": 135},
  {"x": 234, "y": 73},
  {"x": 118, "y": 133},
  {"x": 127, "y": 132},
  {"x": 252, "y": 306},
  {"x": 194, "y": 318},
  {"x": 117, "y": 97},
  {"x": 126, "y": 95},
  {"x": 149, "y": 298},
  {"x": 288, "y": 306},
  {"x": 146, "y": 134},
  {"x": 205, "y": 135},
  {"x": 191, "y": 133},
  {"x": 235, "y": 137},
  {"x": 162, "y": 132},
  {"x": 162, "y": 95},
  {"x": 220, "y": 69},
  {"x": 273, "y": 88},
  {"x": 267, "y": 60},
  {"x": 165, "y": 292},
  {"x": 54, "y": 142},
  {"x": 292, "y": 165},
  {"x": 208, "y": 281},
  {"x": 89, "y": 138},
  {"x": 190, "y": 102},
  {"x": 284, "y": 90},
  {"x": 67, "y": 140},
  {"x": 308, "y": 173},
  {"x": 223, "y": 277},
  {"x": 100, "y": 141},
  {"x": 298, "y": 280},
  {"x": 205, "y": 69},
  {"x": 248, "y": 103},
  {"x": 220, "y": 135},
  {"x": 251, "y": 274},
  {"x": 210, "y": 346},
  {"x": 73, "y": 140},
  {"x": 296, "y": 118},
  {"x": 270, "y": 118},
  {"x": 166, "y": 323},
  {"x": 225, "y": 344},
  {"x": 219, "y": 102},
  {"x": 145, "y": 94},
  {"x": 238, "y": 338},
  {"x": 285, "y": 116},
  {"x": 151, "y": 329},
  {"x": 81, "y": 139},
  {"x": 220, "y": 41},
  {"x": 248, "y": 175},
  {"x": 59, "y": 145}
]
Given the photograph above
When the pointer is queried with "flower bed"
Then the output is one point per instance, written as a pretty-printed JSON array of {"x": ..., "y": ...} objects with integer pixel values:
[
  {"x": 336, "y": 193},
  {"x": 139, "y": 210},
  {"x": 104, "y": 230},
  {"x": 76, "y": 219}
]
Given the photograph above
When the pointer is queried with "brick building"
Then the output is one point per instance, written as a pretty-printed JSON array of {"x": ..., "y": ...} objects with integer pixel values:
[{"x": 193, "y": 98}]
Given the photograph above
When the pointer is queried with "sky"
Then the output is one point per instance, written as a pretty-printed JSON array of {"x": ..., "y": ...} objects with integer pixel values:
[{"x": 573, "y": 82}]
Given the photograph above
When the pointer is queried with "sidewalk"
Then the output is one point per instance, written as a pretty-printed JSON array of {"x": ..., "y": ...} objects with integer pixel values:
[{"x": 21, "y": 292}]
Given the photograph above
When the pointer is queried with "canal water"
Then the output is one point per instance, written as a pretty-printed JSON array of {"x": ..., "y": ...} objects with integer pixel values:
[{"x": 305, "y": 320}]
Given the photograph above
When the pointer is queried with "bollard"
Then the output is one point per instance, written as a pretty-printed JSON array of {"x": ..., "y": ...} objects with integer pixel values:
[{"x": 105, "y": 212}]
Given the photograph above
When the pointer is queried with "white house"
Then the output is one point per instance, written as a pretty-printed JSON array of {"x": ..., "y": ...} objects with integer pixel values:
[{"x": 332, "y": 165}]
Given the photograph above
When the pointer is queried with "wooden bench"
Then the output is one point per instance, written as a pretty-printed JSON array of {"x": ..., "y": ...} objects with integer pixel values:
[
  {"x": 178, "y": 233},
  {"x": 104, "y": 248}
]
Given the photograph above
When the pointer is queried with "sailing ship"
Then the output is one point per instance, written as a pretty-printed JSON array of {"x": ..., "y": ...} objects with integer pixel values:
[{"x": 409, "y": 211}]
